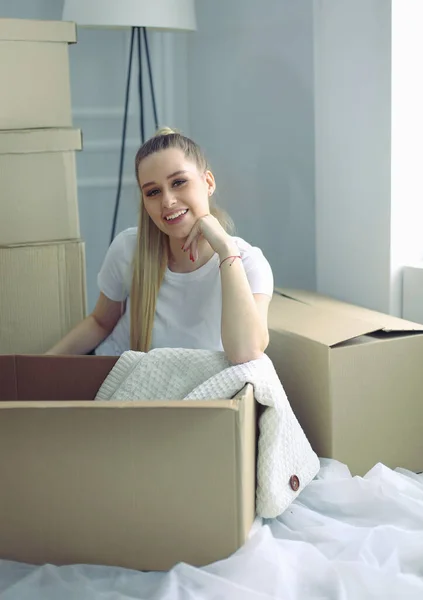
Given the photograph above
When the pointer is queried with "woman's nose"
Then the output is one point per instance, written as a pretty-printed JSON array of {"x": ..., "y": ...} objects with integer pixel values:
[{"x": 168, "y": 199}]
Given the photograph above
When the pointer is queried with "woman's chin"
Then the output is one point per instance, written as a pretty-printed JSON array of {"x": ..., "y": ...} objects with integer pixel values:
[{"x": 179, "y": 232}]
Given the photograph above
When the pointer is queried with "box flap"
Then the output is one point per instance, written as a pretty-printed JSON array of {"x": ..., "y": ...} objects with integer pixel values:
[
  {"x": 375, "y": 321},
  {"x": 32, "y": 30},
  {"x": 320, "y": 325},
  {"x": 27, "y": 141}
]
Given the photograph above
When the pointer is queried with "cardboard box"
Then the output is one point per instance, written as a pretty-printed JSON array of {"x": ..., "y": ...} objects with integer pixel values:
[
  {"x": 142, "y": 485},
  {"x": 38, "y": 186},
  {"x": 42, "y": 295},
  {"x": 34, "y": 73},
  {"x": 354, "y": 379}
]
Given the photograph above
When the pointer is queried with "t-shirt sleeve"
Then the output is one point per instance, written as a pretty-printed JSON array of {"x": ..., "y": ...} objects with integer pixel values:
[
  {"x": 258, "y": 270},
  {"x": 112, "y": 278}
]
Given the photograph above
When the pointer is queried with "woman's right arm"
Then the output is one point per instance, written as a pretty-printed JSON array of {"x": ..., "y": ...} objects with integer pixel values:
[{"x": 88, "y": 334}]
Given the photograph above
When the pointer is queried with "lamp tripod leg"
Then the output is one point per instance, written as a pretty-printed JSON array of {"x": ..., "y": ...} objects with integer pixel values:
[{"x": 124, "y": 127}]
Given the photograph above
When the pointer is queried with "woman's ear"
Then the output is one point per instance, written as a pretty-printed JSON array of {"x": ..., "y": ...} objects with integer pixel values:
[{"x": 211, "y": 183}]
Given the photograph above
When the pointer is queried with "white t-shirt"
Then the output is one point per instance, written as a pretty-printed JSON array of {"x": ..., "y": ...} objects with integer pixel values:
[{"x": 189, "y": 305}]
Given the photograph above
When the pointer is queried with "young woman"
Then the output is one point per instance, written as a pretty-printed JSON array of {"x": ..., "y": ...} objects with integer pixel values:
[{"x": 180, "y": 279}]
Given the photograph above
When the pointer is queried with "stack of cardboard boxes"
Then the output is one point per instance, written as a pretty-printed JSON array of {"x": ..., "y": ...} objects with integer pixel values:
[{"x": 42, "y": 261}]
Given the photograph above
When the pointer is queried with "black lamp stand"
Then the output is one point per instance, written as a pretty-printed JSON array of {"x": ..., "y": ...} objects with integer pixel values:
[{"x": 135, "y": 31}]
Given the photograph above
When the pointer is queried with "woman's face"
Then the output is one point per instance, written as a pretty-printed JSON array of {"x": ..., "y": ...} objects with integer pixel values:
[{"x": 175, "y": 193}]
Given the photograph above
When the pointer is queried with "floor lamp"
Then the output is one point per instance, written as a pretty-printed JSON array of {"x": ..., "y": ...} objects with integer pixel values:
[{"x": 138, "y": 15}]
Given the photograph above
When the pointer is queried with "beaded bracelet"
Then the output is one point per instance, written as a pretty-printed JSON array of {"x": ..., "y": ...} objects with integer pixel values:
[{"x": 228, "y": 257}]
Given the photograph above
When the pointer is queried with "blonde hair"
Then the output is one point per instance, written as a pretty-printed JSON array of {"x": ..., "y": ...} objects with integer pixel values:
[{"x": 151, "y": 256}]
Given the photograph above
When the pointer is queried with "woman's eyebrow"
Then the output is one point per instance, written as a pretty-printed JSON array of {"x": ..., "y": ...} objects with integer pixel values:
[{"x": 168, "y": 177}]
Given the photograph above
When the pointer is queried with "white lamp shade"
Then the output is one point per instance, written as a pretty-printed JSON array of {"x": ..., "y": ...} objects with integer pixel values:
[{"x": 157, "y": 14}]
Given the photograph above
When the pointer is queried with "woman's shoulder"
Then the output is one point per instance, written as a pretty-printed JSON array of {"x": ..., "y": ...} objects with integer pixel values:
[
  {"x": 127, "y": 236},
  {"x": 257, "y": 267},
  {"x": 247, "y": 250},
  {"x": 125, "y": 242},
  {"x": 114, "y": 278}
]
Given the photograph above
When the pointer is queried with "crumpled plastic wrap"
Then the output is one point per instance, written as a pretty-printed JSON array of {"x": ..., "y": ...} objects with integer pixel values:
[{"x": 343, "y": 538}]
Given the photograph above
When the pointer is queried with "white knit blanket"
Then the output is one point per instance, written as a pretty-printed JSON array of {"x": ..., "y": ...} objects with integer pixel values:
[{"x": 173, "y": 374}]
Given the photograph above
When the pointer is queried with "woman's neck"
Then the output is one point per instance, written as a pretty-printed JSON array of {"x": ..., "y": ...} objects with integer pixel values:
[{"x": 179, "y": 261}]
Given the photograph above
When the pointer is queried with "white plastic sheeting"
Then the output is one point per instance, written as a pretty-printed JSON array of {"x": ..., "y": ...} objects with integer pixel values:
[{"x": 343, "y": 538}]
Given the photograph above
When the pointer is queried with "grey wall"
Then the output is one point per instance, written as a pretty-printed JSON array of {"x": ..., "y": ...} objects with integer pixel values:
[
  {"x": 353, "y": 150},
  {"x": 31, "y": 9},
  {"x": 369, "y": 124},
  {"x": 251, "y": 106}
]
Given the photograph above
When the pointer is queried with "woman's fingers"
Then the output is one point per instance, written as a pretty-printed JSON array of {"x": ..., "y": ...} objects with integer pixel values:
[
  {"x": 208, "y": 227},
  {"x": 192, "y": 234},
  {"x": 191, "y": 243},
  {"x": 194, "y": 248}
]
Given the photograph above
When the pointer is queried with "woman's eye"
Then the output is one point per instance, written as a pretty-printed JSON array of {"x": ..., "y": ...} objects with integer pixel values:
[
  {"x": 152, "y": 193},
  {"x": 178, "y": 182}
]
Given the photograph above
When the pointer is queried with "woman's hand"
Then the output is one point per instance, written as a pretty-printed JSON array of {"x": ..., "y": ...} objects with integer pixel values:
[{"x": 211, "y": 230}]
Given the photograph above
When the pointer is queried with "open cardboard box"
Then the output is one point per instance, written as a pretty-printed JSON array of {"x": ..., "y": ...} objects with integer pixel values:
[
  {"x": 354, "y": 378},
  {"x": 142, "y": 485}
]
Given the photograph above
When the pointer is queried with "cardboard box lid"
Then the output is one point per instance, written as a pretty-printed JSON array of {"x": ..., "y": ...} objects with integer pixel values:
[
  {"x": 328, "y": 321},
  {"x": 32, "y": 30},
  {"x": 27, "y": 141}
]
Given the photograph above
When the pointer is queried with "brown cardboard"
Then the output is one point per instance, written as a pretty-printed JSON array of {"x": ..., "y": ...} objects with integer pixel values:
[
  {"x": 38, "y": 186},
  {"x": 34, "y": 71},
  {"x": 54, "y": 379},
  {"x": 8, "y": 381},
  {"x": 354, "y": 379},
  {"x": 42, "y": 295},
  {"x": 142, "y": 485}
]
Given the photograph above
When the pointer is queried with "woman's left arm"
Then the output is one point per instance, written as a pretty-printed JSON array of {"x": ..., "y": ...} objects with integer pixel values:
[
  {"x": 245, "y": 334},
  {"x": 244, "y": 328}
]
